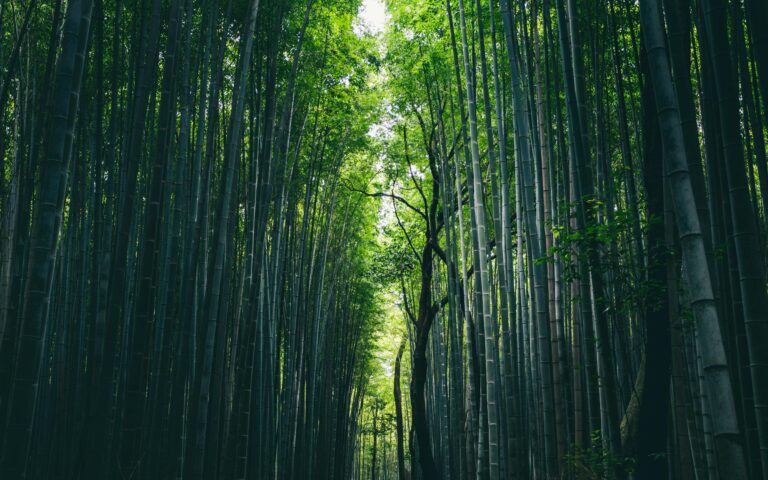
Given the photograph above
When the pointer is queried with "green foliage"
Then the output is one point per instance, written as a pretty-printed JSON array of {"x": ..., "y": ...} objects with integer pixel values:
[{"x": 595, "y": 462}]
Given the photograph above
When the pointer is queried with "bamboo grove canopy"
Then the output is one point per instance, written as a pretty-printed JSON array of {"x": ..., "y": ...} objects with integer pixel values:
[{"x": 383, "y": 239}]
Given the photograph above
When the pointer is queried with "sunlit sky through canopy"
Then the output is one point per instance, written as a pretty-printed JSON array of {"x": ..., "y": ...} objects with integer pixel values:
[{"x": 373, "y": 15}]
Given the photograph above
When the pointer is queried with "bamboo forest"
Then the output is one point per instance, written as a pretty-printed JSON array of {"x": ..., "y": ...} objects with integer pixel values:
[{"x": 383, "y": 239}]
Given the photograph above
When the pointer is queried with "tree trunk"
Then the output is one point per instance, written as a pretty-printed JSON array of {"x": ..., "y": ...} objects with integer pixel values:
[{"x": 716, "y": 375}]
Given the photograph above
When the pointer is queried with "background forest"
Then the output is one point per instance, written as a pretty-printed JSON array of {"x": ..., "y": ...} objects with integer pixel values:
[{"x": 383, "y": 239}]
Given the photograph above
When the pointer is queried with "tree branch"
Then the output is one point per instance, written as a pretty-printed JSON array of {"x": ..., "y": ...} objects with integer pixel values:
[{"x": 388, "y": 195}]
